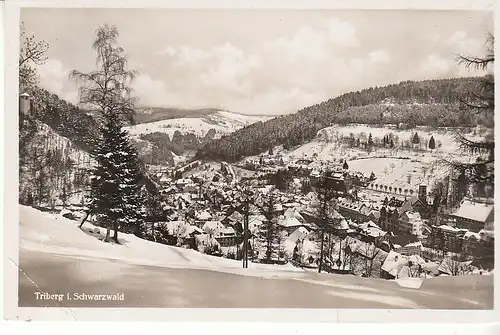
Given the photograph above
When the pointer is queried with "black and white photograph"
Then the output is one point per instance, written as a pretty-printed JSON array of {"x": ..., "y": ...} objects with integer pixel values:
[{"x": 255, "y": 158}]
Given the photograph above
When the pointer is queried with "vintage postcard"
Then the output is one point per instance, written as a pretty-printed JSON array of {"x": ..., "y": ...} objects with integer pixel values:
[{"x": 254, "y": 162}]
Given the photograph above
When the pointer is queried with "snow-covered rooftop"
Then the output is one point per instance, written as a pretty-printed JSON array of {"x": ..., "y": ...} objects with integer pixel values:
[{"x": 474, "y": 211}]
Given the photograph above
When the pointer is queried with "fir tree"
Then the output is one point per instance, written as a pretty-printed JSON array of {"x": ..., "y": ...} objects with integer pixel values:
[
  {"x": 117, "y": 197},
  {"x": 416, "y": 139},
  {"x": 270, "y": 228},
  {"x": 432, "y": 143},
  {"x": 370, "y": 140},
  {"x": 345, "y": 166}
]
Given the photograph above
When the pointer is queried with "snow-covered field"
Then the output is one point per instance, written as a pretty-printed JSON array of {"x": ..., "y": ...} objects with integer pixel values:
[
  {"x": 222, "y": 122},
  {"x": 423, "y": 166},
  {"x": 166, "y": 276},
  {"x": 50, "y": 233},
  {"x": 326, "y": 145}
]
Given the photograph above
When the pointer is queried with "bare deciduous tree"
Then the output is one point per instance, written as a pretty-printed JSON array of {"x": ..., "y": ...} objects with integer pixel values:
[
  {"x": 31, "y": 55},
  {"x": 479, "y": 100},
  {"x": 106, "y": 90}
]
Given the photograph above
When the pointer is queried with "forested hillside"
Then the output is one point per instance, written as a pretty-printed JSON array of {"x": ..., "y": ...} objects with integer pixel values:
[
  {"x": 431, "y": 102},
  {"x": 64, "y": 118}
]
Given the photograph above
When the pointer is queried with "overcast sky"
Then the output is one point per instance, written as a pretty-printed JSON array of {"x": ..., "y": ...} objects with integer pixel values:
[{"x": 259, "y": 61}]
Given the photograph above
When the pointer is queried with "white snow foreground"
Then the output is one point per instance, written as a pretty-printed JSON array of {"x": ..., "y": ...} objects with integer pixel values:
[{"x": 52, "y": 233}]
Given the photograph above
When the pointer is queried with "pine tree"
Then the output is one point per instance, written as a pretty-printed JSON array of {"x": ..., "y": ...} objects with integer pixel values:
[
  {"x": 370, "y": 140},
  {"x": 432, "y": 143},
  {"x": 392, "y": 143},
  {"x": 117, "y": 197},
  {"x": 345, "y": 166},
  {"x": 134, "y": 192},
  {"x": 270, "y": 229},
  {"x": 416, "y": 139}
]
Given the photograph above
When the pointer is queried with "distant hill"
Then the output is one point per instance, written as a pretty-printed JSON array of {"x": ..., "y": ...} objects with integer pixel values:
[
  {"x": 153, "y": 114},
  {"x": 146, "y": 114},
  {"x": 413, "y": 103},
  {"x": 163, "y": 136},
  {"x": 179, "y": 133}
]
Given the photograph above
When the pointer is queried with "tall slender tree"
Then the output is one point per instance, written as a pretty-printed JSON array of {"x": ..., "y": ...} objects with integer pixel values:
[
  {"x": 270, "y": 229},
  {"x": 115, "y": 197},
  {"x": 324, "y": 194}
]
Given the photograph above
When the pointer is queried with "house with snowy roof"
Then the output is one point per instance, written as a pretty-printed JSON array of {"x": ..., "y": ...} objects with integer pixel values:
[
  {"x": 201, "y": 217},
  {"x": 474, "y": 216},
  {"x": 447, "y": 236},
  {"x": 290, "y": 224},
  {"x": 366, "y": 258},
  {"x": 291, "y": 241},
  {"x": 234, "y": 218},
  {"x": 227, "y": 237},
  {"x": 213, "y": 228},
  {"x": 393, "y": 264},
  {"x": 410, "y": 223},
  {"x": 294, "y": 213},
  {"x": 414, "y": 248}
]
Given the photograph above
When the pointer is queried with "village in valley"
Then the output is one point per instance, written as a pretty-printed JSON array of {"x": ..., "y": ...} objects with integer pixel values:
[
  {"x": 386, "y": 225},
  {"x": 378, "y": 209},
  {"x": 387, "y": 185}
]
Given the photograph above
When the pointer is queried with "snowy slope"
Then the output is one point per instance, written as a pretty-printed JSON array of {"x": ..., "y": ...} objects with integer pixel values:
[
  {"x": 44, "y": 140},
  {"x": 54, "y": 236},
  {"x": 49, "y": 233},
  {"x": 221, "y": 121}
]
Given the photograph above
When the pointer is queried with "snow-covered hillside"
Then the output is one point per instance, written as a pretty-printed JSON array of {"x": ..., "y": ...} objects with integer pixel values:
[
  {"x": 222, "y": 122},
  {"x": 53, "y": 166},
  {"x": 328, "y": 146}
]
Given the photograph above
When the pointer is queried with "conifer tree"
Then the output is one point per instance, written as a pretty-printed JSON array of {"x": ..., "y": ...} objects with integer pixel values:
[
  {"x": 270, "y": 229},
  {"x": 416, "y": 139},
  {"x": 370, "y": 140},
  {"x": 432, "y": 143}
]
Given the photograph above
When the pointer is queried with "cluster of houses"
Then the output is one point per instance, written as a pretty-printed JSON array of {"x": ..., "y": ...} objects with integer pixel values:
[
  {"x": 369, "y": 238},
  {"x": 386, "y": 238}
]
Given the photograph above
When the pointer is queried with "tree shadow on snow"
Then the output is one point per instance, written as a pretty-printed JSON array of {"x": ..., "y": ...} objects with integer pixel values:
[{"x": 100, "y": 234}]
